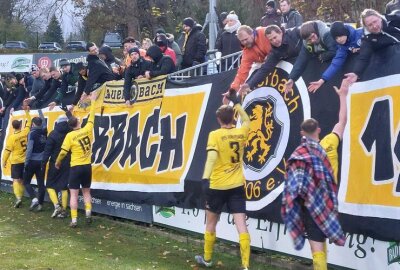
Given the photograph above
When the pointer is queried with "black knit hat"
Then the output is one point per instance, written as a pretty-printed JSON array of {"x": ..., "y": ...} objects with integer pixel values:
[
  {"x": 19, "y": 76},
  {"x": 189, "y": 22},
  {"x": 338, "y": 29},
  {"x": 223, "y": 16},
  {"x": 64, "y": 62},
  {"x": 81, "y": 65},
  {"x": 134, "y": 49},
  {"x": 160, "y": 31},
  {"x": 271, "y": 3},
  {"x": 161, "y": 40}
]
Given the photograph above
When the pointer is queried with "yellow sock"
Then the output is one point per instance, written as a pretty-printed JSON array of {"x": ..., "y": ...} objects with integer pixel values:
[
  {"x": 20, "y": 190},
  {"x": 319, "y": 260},
  {"x": 74, "y": 213},
  {"x": 88, "y": 207},
  {"x": 244, "y": 241},
  {"x": 64, "y": 199},
  {"x": 16, "y": 190},
  {"x": 53, "y": 196},
  {"x": 209, "y": 240}
]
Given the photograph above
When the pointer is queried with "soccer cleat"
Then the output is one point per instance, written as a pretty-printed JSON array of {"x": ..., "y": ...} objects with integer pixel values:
[
  {"x": 62, "y": 214},
  {"x": 34, "y": 204},
  {"x": 73, "y": 224},
  {"x": 57, "y": 211},
  {"x": 18, "y": 203},
  {"x": 39, "y": 208},
  {"x": 200, "y": 260},
  {"x": 89, "y": 219}
]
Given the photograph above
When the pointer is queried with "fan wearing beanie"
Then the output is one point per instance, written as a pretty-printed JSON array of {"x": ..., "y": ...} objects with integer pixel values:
[
  {"x": 135, "y": 70},
  {"x": 348, "y": 41},
  {"x": 228, "y": 43},
  {"x": 339, "y": 30},
  {"x": 272, "y": 16},
  {"x": 194, "y": 45}
]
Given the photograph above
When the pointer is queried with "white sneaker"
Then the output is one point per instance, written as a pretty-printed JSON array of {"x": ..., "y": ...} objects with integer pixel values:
[
  {"x": 34, "y": 204},
  {"x": 57, "y": 211},
  {"x": 200, "y": 260},
  {"x": 18, "y": 203}
]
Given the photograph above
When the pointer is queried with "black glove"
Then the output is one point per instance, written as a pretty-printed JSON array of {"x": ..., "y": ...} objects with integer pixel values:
[
  {"x": 26, "y": 166},
  {"x": 205, "y": 185},
  {"x": 232, "y": 96},
  {"x": 43, "y": 165}
]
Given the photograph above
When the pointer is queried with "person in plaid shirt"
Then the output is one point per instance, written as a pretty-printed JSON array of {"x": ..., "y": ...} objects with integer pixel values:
[{"x": 309, "y": 200}]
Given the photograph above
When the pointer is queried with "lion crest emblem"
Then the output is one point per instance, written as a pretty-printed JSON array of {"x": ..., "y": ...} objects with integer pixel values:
[{"x": 261, "y": 143}]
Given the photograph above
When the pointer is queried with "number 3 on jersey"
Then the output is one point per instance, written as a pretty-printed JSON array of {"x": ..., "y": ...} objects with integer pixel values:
[
  {"x": 85, "y": 144},
  {"x": 235, "y": 148}
]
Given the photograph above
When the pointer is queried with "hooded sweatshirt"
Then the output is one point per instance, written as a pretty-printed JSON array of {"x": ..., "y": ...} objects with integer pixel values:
[{"x": 162, "y": 65}]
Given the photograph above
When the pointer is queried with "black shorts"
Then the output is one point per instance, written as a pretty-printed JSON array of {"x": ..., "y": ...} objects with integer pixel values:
[
  {"x": 17, "y": 171},
  {"x": 235, "y": 200},
  {"x": 80, "y": 176},
  {"x": 58, "y": 178},
  {"x": 312, "y": 231}
]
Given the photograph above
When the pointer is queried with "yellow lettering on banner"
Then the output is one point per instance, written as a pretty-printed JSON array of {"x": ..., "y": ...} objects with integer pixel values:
[
  {"x": 146, "y": 90},
  {"x": 362, "y": 162},
  {"x": 270, "y": 184},
  {"x": 253, "y": 189},
  {"x": 148, "y": 162}
]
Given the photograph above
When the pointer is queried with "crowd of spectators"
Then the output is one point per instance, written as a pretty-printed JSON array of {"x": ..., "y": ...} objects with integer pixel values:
[{"x": 281, "y": 35}]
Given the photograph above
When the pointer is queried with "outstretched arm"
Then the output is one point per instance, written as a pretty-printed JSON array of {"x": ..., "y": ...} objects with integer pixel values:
[{"x": 342, "y": 92}]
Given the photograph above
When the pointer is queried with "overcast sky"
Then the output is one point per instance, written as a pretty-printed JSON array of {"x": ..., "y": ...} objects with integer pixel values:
[{"x": 69, "y": 23}]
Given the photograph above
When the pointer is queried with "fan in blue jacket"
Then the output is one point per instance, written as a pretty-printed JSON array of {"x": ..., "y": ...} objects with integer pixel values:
[{"x": 348, "y": 41}]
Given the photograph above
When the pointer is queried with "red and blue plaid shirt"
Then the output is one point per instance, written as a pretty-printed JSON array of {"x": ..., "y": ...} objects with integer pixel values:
[{"x": 309, "y": 177}]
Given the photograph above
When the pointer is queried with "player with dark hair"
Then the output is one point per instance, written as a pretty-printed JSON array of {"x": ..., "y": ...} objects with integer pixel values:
[{"x": 79, "y": 143}]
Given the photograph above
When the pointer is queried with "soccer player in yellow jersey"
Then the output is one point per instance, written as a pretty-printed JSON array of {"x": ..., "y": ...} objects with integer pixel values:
[
  {"x": 15, "y": 151},
  {"x": 310, "y": 129},
  {"x": 79, "y": 143},
  {"x": 224, "y": 180}
]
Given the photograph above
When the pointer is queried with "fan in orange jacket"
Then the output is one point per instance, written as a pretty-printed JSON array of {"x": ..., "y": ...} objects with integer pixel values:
[{"x": 256, "y": 47}]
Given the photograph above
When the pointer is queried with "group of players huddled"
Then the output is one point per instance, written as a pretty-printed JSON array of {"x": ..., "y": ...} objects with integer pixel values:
[{"x": 67, "y": 152}]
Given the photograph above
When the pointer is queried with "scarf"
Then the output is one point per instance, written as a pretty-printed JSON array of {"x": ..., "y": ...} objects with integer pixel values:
[{"x": 232, "y": 28}]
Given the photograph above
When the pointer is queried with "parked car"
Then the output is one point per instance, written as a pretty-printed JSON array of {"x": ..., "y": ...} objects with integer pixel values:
[
  {"x": 113, "y": 40},
  {"x": 76, "y": 46},
  {"x": 50, "y": 46},
  {"x": 16, "y": 45}
]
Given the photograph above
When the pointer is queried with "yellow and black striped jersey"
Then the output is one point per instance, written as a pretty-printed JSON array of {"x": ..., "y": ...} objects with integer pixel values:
[
  {"x": 79, "y": 143},
  {"x": 17, "y": 142}
]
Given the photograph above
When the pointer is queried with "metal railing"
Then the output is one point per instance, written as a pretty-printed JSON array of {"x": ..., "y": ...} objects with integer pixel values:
[{"x": 212, "y": 66}]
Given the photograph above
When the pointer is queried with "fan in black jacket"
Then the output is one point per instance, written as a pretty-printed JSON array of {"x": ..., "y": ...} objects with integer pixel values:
[
  {"x": 194, "y": 47},
  {"x": 57, "y": 180},
  {"x": 137, "y": 69},
  {"x": 99, "y": 72},
  {"x": 82, "y": 67},
  {"x": 378, "y": 35},
  {"x": 162, "y": 64}
]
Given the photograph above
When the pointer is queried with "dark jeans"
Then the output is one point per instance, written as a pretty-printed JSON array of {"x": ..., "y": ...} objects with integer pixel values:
[{"x": 35, "y": 168}]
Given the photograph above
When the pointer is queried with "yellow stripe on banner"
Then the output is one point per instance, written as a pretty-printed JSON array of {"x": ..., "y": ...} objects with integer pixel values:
[{"x": 371, "y": 181}]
